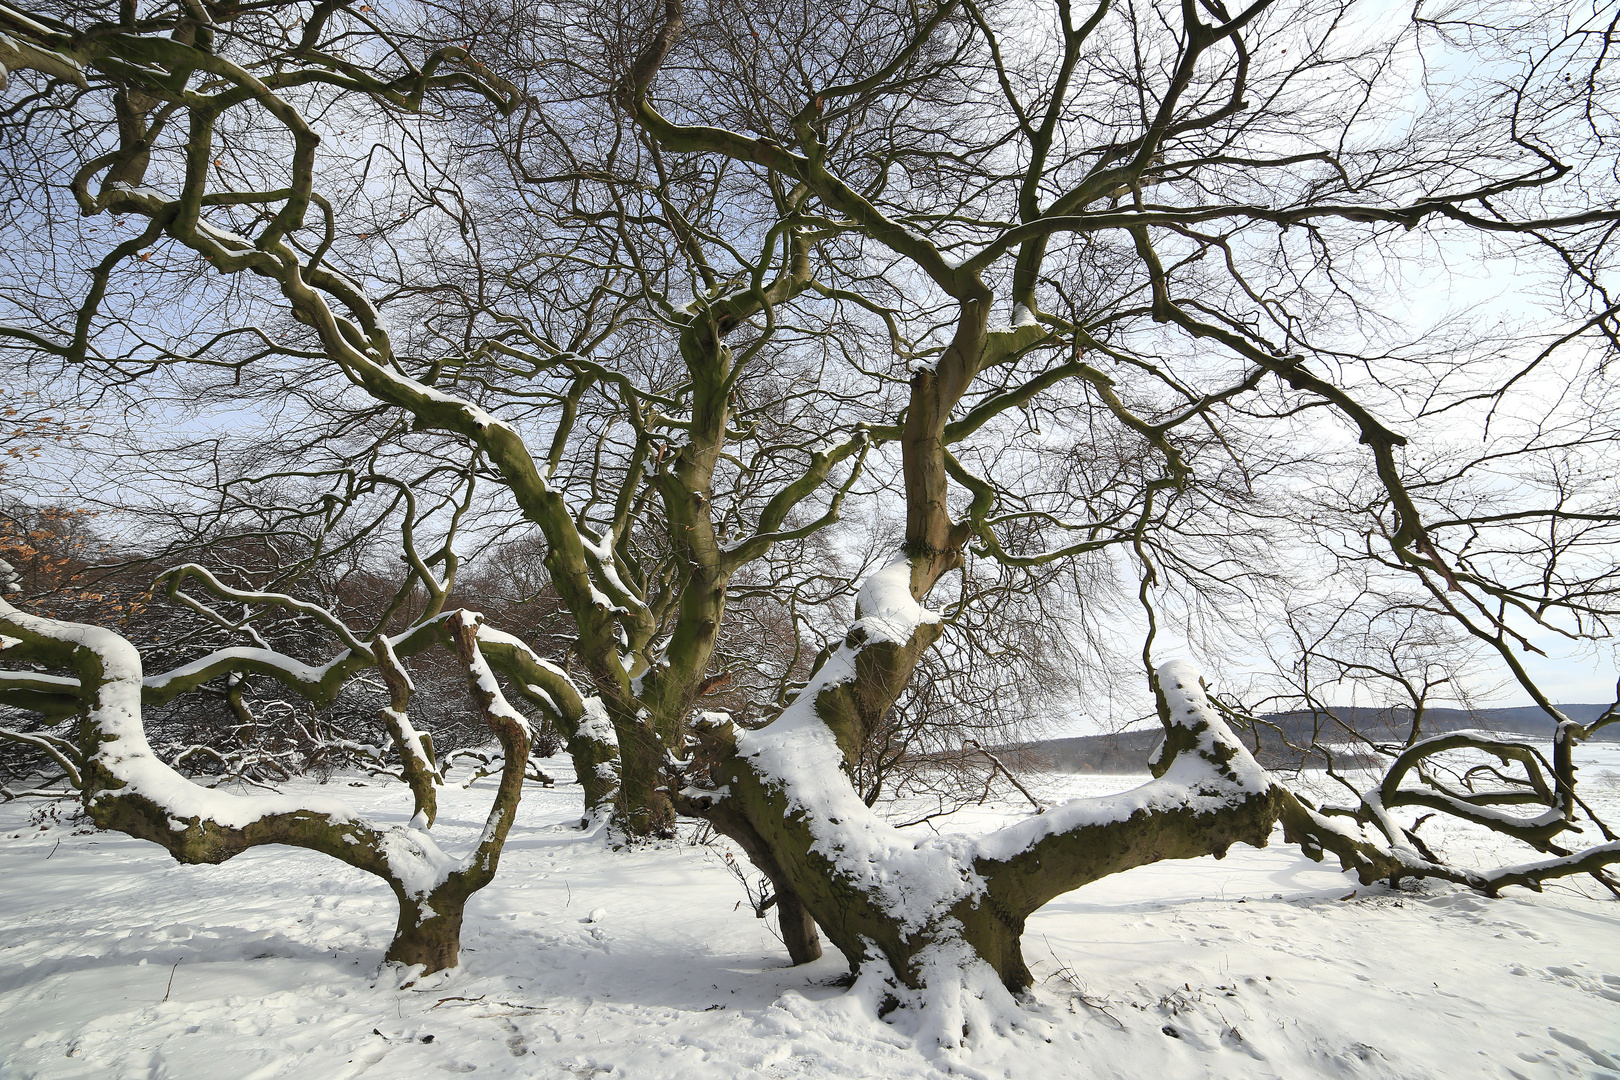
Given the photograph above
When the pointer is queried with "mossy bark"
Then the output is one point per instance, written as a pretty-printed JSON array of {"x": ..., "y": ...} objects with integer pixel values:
[
  {"x": 596, "y": 767},
  {"x": 429, "y": 931},
  {"x": 644, "y": 807},
  {"x": 856, "y": 916},
  {"x": 797, "y": 924},
  {"x": 125, "y": 788}
]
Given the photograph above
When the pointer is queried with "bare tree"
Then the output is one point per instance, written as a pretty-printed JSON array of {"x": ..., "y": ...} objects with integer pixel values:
[
  {"x": 1190, "y": 137},
  {"x": 1093, "y": 302}
]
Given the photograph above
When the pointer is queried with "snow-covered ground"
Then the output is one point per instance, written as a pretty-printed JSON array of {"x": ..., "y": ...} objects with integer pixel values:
[{"x": 581, "y": 961}]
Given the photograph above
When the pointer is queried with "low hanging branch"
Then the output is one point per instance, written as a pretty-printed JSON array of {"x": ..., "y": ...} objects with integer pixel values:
[
  {"x": 125, "y": 787},
  {"x": 589, "y": 739},
  {"x": 1369, "y": 842}
]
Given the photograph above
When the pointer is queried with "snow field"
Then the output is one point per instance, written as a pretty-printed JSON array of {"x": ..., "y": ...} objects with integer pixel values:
[{"x": 580, "y": 961}]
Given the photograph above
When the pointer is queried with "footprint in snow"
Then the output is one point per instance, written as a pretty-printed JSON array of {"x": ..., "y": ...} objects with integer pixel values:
[
  {"x": 1599, "y": 1058},
  {"x": 1607, "y": 986}
]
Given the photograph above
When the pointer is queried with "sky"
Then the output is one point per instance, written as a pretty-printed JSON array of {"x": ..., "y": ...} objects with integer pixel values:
[{"x": 1578, "y": 672}]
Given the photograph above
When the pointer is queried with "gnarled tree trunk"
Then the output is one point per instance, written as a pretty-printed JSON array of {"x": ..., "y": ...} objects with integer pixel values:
[{"x": 936, "y": 910}]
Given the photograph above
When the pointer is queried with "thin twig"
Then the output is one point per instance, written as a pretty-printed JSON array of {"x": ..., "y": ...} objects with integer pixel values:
[{"x": 1040, "y": 808}]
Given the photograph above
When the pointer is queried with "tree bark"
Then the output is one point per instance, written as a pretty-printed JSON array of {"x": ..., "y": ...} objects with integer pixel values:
[
  {"x": 429, "y": 931},
  {"x": 793, "y": 916},
  {"x": 126, "y": 788},
  {"x": 798, "y": 926},
  {"x": 872, "y": 889}
]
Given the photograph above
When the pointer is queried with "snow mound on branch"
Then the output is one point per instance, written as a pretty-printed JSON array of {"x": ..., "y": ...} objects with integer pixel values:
[
  {"x": 1193, "y": 779},
  {"x": 885, "y": 608},
  {"x": 920, "y": 879},
  {"x": 299, "y": 671},
  {"x": 413, "y": 856},
  {"x": 915, "y": 879}
]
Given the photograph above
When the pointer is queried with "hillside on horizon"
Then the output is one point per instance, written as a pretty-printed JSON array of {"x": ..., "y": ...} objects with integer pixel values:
[{"x": 1126, "y": 752}]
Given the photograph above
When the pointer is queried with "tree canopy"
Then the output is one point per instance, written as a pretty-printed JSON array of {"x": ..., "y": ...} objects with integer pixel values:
[{"x": 1036, "y": 331}]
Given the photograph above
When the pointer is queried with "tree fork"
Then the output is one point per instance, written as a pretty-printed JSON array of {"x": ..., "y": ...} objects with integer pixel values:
[{"x": 1208, "y": 794}]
